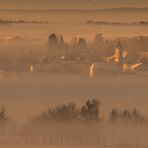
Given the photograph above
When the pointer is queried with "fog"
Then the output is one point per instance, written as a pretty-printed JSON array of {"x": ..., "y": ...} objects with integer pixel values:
[
  {"x": 60, "y": 75},
  {"x": 31, "y": 94},
  {"x": 71, "y": 23}
]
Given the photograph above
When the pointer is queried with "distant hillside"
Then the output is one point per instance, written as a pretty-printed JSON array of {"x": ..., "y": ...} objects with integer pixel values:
[
  {"x": 2, "y": 21},
  {"x": 84, "y": 10},
  {"x": 115, "y": 23},
  {"x": 126, "y": 9},
  {"x": 107, "y": 9}
]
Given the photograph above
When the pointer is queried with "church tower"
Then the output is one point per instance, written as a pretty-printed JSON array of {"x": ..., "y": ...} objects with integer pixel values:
[{"x": 118, "y": 53}]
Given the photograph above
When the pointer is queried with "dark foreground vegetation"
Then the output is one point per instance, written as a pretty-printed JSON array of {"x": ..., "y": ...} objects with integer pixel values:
[
  {"x": 70, "y": 125},
  {"x": 70, "y": 113},
  {"x": 88, "y": 113}
]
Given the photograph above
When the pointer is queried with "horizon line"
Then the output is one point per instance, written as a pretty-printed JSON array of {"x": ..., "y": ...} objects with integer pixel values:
[{"x": 77, "y": 9}]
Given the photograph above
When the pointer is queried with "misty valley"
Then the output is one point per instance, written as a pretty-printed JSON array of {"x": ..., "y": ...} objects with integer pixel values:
[{"x": 72, "y": 78}]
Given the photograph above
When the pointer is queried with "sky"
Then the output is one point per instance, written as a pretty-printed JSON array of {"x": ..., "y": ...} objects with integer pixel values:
[{"x": 70, "y": 4}]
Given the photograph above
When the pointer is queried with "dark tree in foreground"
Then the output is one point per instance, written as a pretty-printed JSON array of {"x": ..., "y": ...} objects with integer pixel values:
[
  {"x": 69, "y": 113},
  {"x": 90, "y": 111}
]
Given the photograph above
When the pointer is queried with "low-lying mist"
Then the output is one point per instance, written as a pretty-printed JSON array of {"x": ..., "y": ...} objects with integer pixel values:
[
  {"x": 45, "y": 60},
  {"x": 30, "y": 93},
  {"x": 69, "y": 125}
]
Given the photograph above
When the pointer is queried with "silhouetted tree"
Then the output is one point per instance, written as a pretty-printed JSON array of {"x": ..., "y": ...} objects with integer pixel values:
[
  {"x": 69, "y": 113},
  {"x": 53, "y": 41},
  {"x": 82, "y": 43},
  {"x": 114, "y": 115},
  {"x": 137, "y": 117},
  {"x": 62, "y": 42},
  {"x": 82, "y": 48},
  {"x": 64, "y": 112},
  {"x": 57, "y": 46},
  {"x": 127, "y": 116},
  {"x": 3, "y": 116},
  {"x": 90, "y": 111}
]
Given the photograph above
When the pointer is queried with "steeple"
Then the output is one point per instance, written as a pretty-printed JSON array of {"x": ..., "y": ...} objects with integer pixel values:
[{"x": 118, "y": 52}]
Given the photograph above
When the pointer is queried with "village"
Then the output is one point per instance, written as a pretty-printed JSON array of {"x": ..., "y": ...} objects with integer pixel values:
[{"x": 111, "y": 57}]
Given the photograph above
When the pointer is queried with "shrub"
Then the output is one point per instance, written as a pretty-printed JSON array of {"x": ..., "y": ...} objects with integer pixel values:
[
  {"x": 64, "y": 112},
  {"x": 90, "y": 110},
  {"x": 69, "y": 113},
  {"x": 127, "y": 116}
]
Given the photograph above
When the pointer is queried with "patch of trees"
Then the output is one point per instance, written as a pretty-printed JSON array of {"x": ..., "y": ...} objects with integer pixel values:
[
  {"x": 56, "y": 41},
  {"x": 57, "y": 46},
  {"x": 127, "y": 116},
  {"x": 90, "y": 111},
  {"x": 116, "y": 23},
  {"x": 77, "y": 49},
  {"x": 80, "y": 49}
]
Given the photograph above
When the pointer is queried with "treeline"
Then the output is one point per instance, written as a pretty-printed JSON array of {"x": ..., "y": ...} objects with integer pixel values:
[
  {"x": 72, "y": 125},
  {"x": 127, "y": 116},
  {"x": 79, "y": 49},
  {"x": 77, "y": 53},
  {"x": 116, "y": 23},
  {"x": 88, "y": 112},
  {"x": 70, "y": 113}
]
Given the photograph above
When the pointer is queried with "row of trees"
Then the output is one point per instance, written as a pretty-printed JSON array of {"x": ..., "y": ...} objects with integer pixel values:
[
  {"x": 88, "y": 112},
  {"x": 70, "y": 113},
  {"x": 126, "y": 116},
  {"x": 80, "y": 48},
  {"x": 2, "y": 21}
]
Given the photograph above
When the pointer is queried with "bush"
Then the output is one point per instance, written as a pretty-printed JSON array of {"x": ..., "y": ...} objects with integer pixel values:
[
  {"x": 127, "y": 116},
  {"x": 90, "y": 111},
  {"x": 64, "y": 112},
  {"x": 69, "y": 113}
]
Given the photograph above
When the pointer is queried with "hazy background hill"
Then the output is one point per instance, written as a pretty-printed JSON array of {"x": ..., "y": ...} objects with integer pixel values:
[{"x": 64, "y": 4}]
